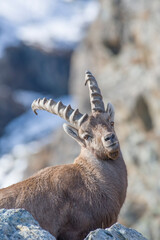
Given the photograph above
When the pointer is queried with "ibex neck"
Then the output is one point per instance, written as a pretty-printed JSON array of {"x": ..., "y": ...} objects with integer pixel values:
[
  {"x": 88, "y": 157},
  {"x": 91, "y": 167},
  {"x": 93, "y": 161}
]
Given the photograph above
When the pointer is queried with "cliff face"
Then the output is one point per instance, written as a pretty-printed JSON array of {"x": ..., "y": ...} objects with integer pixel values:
[{"x": 122, "y": 50}]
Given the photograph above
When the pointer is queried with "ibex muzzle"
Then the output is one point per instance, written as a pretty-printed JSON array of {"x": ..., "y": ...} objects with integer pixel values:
[
  {"x": 71, "y": 200},
  {"x": 111, "y": 143}
]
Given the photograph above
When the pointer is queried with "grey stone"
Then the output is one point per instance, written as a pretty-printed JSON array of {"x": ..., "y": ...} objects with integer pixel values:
[
  {"x": 19, "y": 224},
  {"x": 115, "y": 232}
]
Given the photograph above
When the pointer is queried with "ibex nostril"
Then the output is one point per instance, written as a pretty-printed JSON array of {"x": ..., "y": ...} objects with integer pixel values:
[{"x": 113, "y": 137}]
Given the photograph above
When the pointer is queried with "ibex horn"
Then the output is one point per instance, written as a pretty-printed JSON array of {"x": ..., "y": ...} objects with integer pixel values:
[
  {"x": 97, "y": 104},
  {"x": 66, "y": 112}
]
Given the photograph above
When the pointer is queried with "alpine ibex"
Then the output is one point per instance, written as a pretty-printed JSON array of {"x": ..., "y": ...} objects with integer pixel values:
[{"x": 71, "y": 200}]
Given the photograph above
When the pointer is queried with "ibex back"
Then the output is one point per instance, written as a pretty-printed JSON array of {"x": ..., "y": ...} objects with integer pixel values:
[{"x": 71, "y": 200}]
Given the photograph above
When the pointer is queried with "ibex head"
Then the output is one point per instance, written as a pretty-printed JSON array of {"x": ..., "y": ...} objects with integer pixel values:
[{"x": 95, "y": 132}]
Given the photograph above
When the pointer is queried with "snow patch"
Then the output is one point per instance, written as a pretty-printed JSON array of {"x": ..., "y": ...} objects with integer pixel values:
[
  {"x": 48, "y": 23},
  {"x": 29, "y": 127},
  {"x": 24, "y": 136}
]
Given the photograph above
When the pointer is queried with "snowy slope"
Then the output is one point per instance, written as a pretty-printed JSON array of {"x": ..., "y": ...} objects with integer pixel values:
[
  {"x": 49, "y": 23},
  {"x": 28, "y": 127},
  {"x": 24, "y": 136}
]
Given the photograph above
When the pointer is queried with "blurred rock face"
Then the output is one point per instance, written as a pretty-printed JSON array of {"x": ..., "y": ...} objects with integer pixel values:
[
  {"x": 28, "y": 68},
  {"x": 31, "y": 68},
  {"x": 122, "y": 50}
]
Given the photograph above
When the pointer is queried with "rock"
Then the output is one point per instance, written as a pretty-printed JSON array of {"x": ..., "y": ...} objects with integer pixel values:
[
  {"x": 115, "y": 232},
  {"x": 19, "y": 224}
]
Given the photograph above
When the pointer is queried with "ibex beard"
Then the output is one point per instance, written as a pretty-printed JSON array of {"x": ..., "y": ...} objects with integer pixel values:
[{"x": 71, "y": 200}]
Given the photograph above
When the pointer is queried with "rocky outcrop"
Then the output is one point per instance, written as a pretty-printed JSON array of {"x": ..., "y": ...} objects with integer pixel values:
[
  {"x": 116, "y": 231},
  {"x": 19, "y": 224}
]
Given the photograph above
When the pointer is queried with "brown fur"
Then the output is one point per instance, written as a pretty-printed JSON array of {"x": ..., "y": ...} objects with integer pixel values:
[{"x": 71, "y": 200}]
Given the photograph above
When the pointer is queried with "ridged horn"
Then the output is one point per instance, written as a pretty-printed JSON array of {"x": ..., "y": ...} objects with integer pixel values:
[
  {"x": 96, "y": 99},
  {"x": 66, "y": 112}
]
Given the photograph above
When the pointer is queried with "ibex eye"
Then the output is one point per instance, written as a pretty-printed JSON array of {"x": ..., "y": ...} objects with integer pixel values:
[
  {"x": 112, "y": 124},
  {"x": 87, "y": 137}
]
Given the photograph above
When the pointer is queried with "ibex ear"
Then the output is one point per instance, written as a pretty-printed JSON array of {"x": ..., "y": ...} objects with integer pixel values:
[
  {"x": 73, "y": 132},
  {"x": 110, "y": 111}
]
